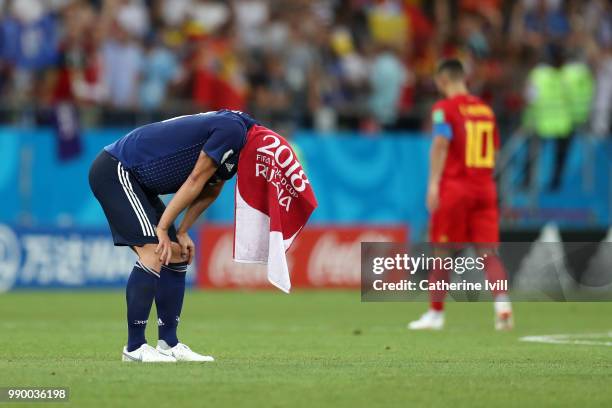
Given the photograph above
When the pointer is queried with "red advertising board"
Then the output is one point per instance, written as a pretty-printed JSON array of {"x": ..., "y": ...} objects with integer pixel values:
[{"x": 321, "y": 257}]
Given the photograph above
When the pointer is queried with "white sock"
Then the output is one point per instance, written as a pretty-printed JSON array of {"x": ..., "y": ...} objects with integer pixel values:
[{"x": 502, "y": 304}]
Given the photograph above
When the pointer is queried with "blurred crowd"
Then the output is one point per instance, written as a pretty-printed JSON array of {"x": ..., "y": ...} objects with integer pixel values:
[{"x": 322, "y": 64}]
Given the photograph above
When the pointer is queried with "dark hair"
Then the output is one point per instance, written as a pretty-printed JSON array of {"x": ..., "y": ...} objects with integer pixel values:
[{"x": 452, "y": 67}]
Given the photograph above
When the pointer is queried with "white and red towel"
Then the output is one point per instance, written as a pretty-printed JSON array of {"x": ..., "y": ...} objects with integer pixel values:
[{"x": 274, "y": 200}]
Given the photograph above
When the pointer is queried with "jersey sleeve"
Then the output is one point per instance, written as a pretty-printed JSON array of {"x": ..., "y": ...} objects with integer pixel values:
[
  {"x": 440, "y": 122},
  {"x": 224, "y": 142}
]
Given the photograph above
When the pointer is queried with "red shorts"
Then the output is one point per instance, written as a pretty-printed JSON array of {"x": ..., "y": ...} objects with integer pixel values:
[{"x": 465, "y": 214}]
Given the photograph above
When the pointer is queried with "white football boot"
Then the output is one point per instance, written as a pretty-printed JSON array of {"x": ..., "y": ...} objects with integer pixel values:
[
  {"x": 181, "y": 352},
  {"x": 431, "y": 320},
  {"x": 145, "y": 354},
  {"x": 503, "y": 315}
]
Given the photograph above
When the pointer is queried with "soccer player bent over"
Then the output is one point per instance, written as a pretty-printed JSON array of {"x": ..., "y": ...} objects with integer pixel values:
[
  {"x": 461, "y": 195},
  {"x": 190, "y": 156}
]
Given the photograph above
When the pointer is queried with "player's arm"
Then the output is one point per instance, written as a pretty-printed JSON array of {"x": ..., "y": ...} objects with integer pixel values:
[
  {"x": 204, "y": 168},
  {"x": 442, "y": 134},
  {"x": 206, "y": 197},
  {"x": 437, "y": 157}
]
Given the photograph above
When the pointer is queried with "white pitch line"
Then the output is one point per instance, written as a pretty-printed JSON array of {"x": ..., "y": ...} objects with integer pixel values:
[{"x": 585, "y": 339}]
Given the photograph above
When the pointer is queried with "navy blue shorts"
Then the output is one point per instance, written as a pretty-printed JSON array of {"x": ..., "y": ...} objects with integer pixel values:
[{"x": 132, "y": 212}]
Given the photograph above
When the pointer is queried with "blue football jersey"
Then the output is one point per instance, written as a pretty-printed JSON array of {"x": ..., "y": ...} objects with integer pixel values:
[{"x": 161, "y": 155}]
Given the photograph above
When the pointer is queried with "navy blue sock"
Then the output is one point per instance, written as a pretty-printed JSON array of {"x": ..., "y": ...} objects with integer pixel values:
[
  {"x": 169, "y": 300},
  {"x": 139, "y": 295}
]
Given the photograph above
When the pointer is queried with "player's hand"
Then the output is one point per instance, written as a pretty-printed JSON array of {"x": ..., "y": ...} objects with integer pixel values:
[
  {"x": 187, "y": 246},
  {"x": 164, "y": 248},
  {"x": 433, "y": 197}
]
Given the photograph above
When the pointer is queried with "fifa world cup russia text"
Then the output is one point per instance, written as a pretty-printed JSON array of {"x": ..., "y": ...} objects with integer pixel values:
[{"x": 276, "y": 159}]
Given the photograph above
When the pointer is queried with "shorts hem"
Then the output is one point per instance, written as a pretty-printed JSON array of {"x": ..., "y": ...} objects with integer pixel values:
[{"x": 137, "y": 243}]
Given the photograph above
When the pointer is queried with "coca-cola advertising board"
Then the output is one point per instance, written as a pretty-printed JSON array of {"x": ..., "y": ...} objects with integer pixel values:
[{"x": 321, "y": 257}]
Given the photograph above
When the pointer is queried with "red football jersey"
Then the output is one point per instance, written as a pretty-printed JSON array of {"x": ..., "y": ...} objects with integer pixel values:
[{"x": 470, "y": 126}]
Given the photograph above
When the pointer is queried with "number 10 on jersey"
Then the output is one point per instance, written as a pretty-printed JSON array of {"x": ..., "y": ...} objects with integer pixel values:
[{"x": 479, "y": 145}]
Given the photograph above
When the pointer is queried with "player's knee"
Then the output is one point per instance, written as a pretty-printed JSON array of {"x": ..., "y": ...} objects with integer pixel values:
[
  {"x": 148, "y": 257},
  {"x": 176, "y": 254},
  {"x": 152, "y": 261}
]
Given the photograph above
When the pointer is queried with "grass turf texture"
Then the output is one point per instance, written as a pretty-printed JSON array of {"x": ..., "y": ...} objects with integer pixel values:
[{"x": 306, "y": 349}]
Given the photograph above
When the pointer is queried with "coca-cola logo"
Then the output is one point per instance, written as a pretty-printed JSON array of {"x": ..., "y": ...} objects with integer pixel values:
[
  {"x": 336, "y": 262},
  {"x": 325, "y": 256}
]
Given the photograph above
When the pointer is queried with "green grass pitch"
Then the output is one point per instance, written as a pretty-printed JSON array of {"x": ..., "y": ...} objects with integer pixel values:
[{"x": 308, "y": 349}]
